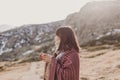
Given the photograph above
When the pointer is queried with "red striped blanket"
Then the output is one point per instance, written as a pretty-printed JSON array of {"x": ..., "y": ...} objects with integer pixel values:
[{"x": 67, "y": 68}]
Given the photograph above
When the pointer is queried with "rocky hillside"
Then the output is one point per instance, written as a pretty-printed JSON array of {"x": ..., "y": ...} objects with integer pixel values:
[
  {"x": 97, "y": 23},
  {"x": 95, "y": 20},
  {"x": 19, "y": 42}
]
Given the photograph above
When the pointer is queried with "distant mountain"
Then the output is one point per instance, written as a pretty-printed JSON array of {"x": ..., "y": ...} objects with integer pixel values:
[{"x": 5, "y": 27}]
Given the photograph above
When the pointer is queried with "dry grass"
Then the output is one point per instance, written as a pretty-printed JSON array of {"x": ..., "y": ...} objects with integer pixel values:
[
  {"x": 95, "y": 55},
  {"x": 84, "y": 78},
  {"x": 96, "y": 48}
]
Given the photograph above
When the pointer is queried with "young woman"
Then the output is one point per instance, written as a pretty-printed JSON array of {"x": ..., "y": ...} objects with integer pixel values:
[{"x": 64, "y": 64}]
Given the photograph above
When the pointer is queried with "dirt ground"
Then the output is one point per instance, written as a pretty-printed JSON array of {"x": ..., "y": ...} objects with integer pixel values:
[
  {"x": 94, "y": 65},
  {"x": 100, "y": 65},
  {"x": 24, "y": 71}
]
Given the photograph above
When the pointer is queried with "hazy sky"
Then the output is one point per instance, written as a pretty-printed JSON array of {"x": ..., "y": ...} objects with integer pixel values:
[{"x": 19, "y": 12}]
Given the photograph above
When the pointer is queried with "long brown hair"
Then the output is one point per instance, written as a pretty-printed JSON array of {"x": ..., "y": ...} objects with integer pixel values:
[{"x": 68, "y": 39}]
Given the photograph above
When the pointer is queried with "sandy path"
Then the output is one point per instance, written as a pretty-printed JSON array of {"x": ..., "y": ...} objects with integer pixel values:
[
  {"x": 29, "y": 71},
  {"x": 33, "y": 72}
]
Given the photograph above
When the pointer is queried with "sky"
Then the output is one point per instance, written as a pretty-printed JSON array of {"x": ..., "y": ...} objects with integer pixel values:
[{"x": 20, "y": 12}]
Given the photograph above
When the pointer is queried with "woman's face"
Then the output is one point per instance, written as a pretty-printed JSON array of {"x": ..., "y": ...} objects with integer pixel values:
[{"x": 57, "y": 40}]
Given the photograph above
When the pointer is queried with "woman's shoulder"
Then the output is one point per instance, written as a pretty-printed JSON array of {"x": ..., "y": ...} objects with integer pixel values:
[{"x": 70, "y": 53}]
